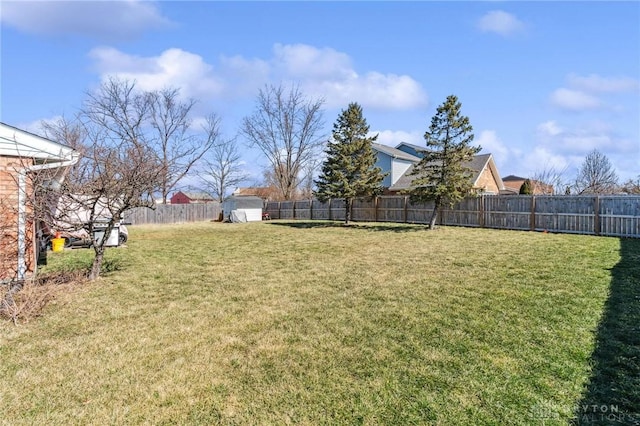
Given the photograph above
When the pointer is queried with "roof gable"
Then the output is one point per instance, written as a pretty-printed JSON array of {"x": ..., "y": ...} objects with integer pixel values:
[
  {"x": 15, "y": 142},
  {"x": 478, "y": 164}
]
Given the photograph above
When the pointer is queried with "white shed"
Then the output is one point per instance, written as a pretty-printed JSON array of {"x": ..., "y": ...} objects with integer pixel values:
[{"x": 242, "y": 208}]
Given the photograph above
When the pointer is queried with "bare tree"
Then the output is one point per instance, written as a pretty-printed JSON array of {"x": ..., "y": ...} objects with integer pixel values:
[
  {"x": 631, "y": 186},
  {"x": 223, "y": 169},
  {"x": 596, "y": 175},
  {"x": 286, "y": 127},
  {"x": 176, "y": 146},
  {"x": 309, "y": 175},
  {"x": 119, "y": 169},
  {"x": 550, "y": 180}
]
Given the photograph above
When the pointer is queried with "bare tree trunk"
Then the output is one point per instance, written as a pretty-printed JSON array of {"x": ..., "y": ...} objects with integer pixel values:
[
  {"x": 434, "y": 214},
  {"x": 96, "y": 266},
  {"x": 347, "y": 210}
]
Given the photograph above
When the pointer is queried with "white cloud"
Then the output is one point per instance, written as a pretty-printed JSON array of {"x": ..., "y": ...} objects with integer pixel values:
[
  {"x": 549, "y": 128},
  {"x": 243, "y": 77},
  {"x": 500, "y": 22},
  {"x": 329, "y": 74},
  {"x": 581, "y": 94},
  {"x": 596, "y": 83},
  {"x": 583, "y": 138},
  {"x": 542, "y": 158},
  {"x": 492, "y": 144},
  {"x": 394, "y": 137},
  {"x": 308, "y": 62},
  {"x": 36, "y": 127},
  {"x": 107, "y": 20},
  {"x": 574, "y": 100},
  {"x": 323, "y": 73},
  {"x": 562, "y": 148},
  {"x": 172, "y": 68}
]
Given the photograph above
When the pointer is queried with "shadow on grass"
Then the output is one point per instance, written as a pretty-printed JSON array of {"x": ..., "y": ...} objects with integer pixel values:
[
  {"x": 613, "y": 393},
  {"x": 386, "y": 227}
]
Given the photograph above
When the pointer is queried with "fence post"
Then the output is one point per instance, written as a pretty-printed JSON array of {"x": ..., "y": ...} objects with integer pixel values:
[
  {"x": 406, "y": 206},
  {"x": 532, "y": 219},
  {"x": 481, "y": 212},
  {"x": 294, "y": 209},
  {"x": 311, "y": 209},
  {"x": 330, "y": 209},
  {"x": 279, "y": 215},
  {"x": 596, "y": 217},
  {"x": 375, "y": 209}
]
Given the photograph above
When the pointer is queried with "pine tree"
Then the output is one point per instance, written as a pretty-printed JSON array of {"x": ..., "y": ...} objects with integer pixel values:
[
  {"x": 349, "y": 169},
  {"x": 525, "y": 188},
  {"x": 442, "y": 175}
]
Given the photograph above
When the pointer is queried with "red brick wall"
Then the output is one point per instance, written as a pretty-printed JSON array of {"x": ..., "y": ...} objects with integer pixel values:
[{"x": 9, "y": 167}]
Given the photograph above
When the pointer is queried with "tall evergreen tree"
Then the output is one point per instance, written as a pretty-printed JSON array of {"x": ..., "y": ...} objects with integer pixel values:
[
  {"x": 442, "y": 174},
  {"x": 348, "y": 171}
]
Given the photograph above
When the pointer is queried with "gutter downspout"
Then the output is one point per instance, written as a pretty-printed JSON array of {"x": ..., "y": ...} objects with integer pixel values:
[{"x": 22, "y": 208}]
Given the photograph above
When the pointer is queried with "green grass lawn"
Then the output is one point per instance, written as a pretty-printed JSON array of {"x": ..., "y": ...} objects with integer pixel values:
[{"x": 314, "y": 323}]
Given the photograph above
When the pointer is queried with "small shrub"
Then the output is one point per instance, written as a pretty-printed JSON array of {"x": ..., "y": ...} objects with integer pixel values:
[{"x": 22, "y": 301}]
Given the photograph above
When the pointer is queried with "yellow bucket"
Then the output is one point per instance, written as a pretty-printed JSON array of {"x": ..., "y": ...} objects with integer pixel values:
[{"x": 57, "y": 244}]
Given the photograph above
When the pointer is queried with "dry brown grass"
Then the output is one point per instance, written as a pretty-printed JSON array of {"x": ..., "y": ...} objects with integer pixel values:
[
  {"x": 28, "y": 300},
  {"x": 316, "y": 323}
]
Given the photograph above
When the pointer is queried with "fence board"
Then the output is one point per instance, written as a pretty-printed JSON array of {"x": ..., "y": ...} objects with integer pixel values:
[
  {"x": 619, "y": 216},
  {"x": 173, "y": 213},
  {"x": 573, "y": 214},
  {"x": 286, "y": 209}
]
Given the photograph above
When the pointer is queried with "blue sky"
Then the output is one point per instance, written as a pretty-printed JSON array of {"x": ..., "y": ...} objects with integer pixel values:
[{"x": 543, "y": 83}]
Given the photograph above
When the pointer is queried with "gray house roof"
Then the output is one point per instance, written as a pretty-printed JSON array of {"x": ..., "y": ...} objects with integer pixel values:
[
  {"x": 478, "y": 164},
  {"x": 234, "y": 202},
  {"x": 416, "y": 148},
  {"x": 512, "y": 178},
  {"x": 394, "y": 152}
]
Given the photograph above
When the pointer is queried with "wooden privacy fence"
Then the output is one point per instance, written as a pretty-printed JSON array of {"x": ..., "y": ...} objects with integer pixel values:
[
  {"x": 595, "y": 215},
  {"x": 173, "y": 213}
]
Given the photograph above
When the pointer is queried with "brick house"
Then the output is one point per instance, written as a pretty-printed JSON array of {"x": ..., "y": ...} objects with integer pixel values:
[
  {"x": 513, "y": 183},
  {"x": 399, "y": 163},
  {"x": 22, "y": 156}
]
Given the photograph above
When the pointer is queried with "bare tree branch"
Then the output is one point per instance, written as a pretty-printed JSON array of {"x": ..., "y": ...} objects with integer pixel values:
[
  {"x": 550, "y": 181},
  {"x": 596, "y": 175},
  {"x": 177, "y": 148},
  {"x": 223, "y": 169},
  {"x": 631, "y": 186},
  {"x": 119, "y": 169},
  {"x": 286, "y": 128}
]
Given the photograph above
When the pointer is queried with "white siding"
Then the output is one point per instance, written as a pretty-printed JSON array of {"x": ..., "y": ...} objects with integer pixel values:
[{"x": 398, "y": 168}]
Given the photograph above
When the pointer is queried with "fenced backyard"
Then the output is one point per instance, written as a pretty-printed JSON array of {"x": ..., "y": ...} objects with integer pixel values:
[
  {"x": 617, "y": 216},
  {"x": 313, "y": 323},
  {"x": 591, "y": 215}
]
